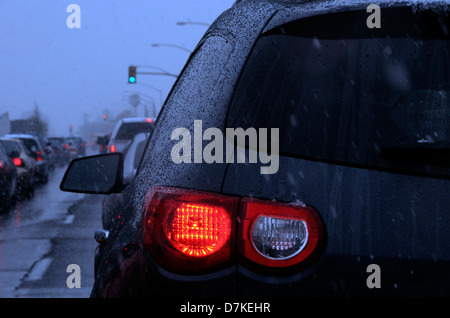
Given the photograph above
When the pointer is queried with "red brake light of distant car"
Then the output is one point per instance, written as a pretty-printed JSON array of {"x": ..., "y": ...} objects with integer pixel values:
[
  {"x": 149, "y": 120},
  {"x": 189, "y": 231},
  {"x": 18, "y": 162},
  {"x": 66, "y": 146},
  {"x": 277, "y": 234},
  {"x": 113, "y": 148},
  {"x": 38, "y": 159}
]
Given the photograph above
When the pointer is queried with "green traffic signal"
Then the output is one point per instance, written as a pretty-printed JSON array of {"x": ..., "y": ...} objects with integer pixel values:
[{"x": 132, "y": 74}]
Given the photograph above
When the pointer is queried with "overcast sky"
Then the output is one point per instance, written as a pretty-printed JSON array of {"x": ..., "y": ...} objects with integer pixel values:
[{"x": 78, "y": 72}]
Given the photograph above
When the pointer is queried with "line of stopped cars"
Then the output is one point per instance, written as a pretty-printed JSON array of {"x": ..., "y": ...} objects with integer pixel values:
[
  {"x": 26, "y": 160},
  {"x": 364, "y": 163}
]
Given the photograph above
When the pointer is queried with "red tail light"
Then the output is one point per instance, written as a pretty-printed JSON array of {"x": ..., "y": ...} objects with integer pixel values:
[
  {"x": 18, "y": 162},
  {"x": 38, "y": 159},
  {"x": 198, "y": 230},
  {"x": 113, "y": 148},
  {"x": 189, "y": 231},
  {"x": 66, "y": 146},
  {"x": 192, "y": 231}
]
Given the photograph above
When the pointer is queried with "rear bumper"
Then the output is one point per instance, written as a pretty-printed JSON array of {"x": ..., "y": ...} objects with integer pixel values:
[
  {"x": 333, "y": 276},
  {"x": 41, "y": 170}
]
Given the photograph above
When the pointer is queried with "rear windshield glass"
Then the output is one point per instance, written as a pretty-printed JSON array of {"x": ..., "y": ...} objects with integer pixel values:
[
  {"x": 30, "y": 145},
  {"x": 11, "y": 146},
  {"x": 3, "y": 154},
  {"x": 353, "y": 95},
  {"x": 129, "y": 130}
]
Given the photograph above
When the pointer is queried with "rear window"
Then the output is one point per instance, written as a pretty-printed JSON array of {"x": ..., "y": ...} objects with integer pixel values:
[
  {"x": 10, "y": 146},
  {"x": 129, "y": 130},
  {"x": 30, "y": 145},
  {"x": 3, "y": 154},
  {"x": 352, "y": 95},
  {"x": 74, "y": 140}
]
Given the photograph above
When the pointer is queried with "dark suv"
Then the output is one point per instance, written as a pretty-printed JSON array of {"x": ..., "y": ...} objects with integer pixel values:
[{"x": 338, "y": 182}]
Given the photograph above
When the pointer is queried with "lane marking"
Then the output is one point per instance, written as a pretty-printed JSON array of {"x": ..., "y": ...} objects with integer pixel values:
[
  {"x": 69, "y": 219},
  {"x": 39, "y": 269}
]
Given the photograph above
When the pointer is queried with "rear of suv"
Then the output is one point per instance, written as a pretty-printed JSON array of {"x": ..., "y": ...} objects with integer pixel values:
[{"x": 351, "y": 122}]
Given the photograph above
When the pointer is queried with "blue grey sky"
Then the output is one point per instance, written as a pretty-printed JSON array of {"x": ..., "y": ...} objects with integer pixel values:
[{"x": 73, "y": 73}]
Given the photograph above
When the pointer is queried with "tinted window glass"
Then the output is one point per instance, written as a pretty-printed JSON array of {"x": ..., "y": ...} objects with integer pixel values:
[
  {"x": 129, "y": 130},
  {"x": 30, "y": 145},
  {"x": 353, "y": 95},
  {"x": 3, "y": 152},
  {"x": 10, "y": 146}
]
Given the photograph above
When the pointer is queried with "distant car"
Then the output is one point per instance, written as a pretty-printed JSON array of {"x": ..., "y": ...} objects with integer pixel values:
[
  {"x": 60, "y": 153},
  {"x": 49, "y": 154},
  {"x": 8, "y": 180},
  {"x": 350, "y": 196},
  {"x": 126, "y": 129},
  {"x": 35, "y": 149},
  {"x": 102, "y": 142},
  {"x": 25, "y": 165},
  {"x": 76, "y": 146}
]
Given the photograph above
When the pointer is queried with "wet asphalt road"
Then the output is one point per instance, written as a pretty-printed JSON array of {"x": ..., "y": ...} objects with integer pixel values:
[{"x": 42, "y": 236}]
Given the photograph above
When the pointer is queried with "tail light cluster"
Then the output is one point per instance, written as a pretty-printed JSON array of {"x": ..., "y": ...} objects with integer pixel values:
[
  {"x": 18, "y": 162},
  {"x": 190, "y": 231},
  {"x": 39, "y": 156}
]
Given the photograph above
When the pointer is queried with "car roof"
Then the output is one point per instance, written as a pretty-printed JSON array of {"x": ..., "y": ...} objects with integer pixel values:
[
  {"x": 258, "y": 10},
  {"x": 11, "y": 139},
  {"x": 136, "y": 119},
  {"x": 21, "y": 136}
]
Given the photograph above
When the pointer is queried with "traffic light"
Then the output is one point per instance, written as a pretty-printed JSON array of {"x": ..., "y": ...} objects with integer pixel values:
[{"x": 132, "y": 74}]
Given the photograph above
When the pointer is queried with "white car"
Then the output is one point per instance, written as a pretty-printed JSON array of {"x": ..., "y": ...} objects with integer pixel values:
[
  {"x": 126, "y": 129},
  {"x": 132, "y": 156}
]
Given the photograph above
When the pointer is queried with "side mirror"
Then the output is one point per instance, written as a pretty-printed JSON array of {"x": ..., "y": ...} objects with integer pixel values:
[{"x": 100, "y": 174}]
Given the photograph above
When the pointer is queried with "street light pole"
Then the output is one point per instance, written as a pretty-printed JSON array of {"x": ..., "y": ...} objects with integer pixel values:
[
  {"x": 189, "y": 22},
  {"x": 156, "y": 89},
  {"x": 172, "y": 45}
]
